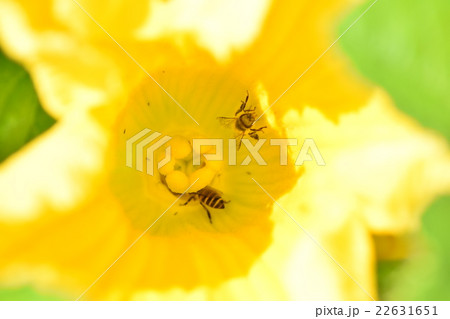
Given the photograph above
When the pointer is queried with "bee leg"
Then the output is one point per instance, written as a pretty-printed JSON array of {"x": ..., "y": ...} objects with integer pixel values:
[
  {"x": 243, "y": 104},
  {"x": 187, "y": 202},
  {"x": 207, "y": 211},
  {"x": 258, "y": 129},
  {"x": 241, "y": 108},
  {"x": 246, "y": 99}
]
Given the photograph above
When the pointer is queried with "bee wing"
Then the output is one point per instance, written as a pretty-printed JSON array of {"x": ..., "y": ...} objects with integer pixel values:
[
  {"x": 239, "y": 140},
  {"x": 227, "y": 121},
  {"x": 211, "y": 189}
]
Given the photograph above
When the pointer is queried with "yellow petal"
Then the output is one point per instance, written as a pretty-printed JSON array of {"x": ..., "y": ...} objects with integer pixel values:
[
  {"x": 295, "y": 268},
  {"x": 64, "y": 254},
  {"x": 73, "y": 62},
  {"x": 56, "y": 172},
  {"x": 379, "y": 164},
  {"x": 295, "y": 34},
  {"x": 307, "y": 269},
  {"x": 222, "y": 27}
]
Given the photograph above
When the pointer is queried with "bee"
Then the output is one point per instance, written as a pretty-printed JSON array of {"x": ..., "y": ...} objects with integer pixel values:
[
  {"x": 243, "y": 121},
  {"x": 207, "y": 196}
]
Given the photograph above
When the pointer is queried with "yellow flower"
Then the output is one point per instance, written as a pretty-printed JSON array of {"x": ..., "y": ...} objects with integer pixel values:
[{"x": 70, "y": 207}]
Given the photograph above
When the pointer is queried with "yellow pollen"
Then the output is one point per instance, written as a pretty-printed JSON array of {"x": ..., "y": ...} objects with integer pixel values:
[
  {"x": 180, "y": 172},
  {"x": 181, "y": 148},
  {"x": 177, "y": 181},
  {"x": 168, "y": 167},
  {"x": 204, "y": 175}
]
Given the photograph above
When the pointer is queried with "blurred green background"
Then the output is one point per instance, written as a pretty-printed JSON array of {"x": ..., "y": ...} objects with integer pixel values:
[{"x": 403, "y": 46}]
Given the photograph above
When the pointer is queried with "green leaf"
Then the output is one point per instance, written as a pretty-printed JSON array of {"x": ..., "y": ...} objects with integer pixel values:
[
  {"x": 425, "y": 275},
  {"x": 24, "y": 294},
  {"x": 21, "y": 116},
  {"x": 403, "y": 46}
]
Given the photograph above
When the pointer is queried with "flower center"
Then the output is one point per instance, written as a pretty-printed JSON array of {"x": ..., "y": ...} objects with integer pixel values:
[
  {"x": 180, "y": 173},
  {"x": 227, "y": 224}
]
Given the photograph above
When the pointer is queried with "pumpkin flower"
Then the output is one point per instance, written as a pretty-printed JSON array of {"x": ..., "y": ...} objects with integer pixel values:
[{"x": 78, "y": 222}]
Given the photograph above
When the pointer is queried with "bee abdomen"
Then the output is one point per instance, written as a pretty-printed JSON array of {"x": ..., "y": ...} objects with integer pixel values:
[
  {"x": 214, "y": 202},
  {"x": 212, "y": 199}
]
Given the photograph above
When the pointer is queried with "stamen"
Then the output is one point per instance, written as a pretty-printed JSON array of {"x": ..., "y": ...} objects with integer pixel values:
[
  {"x": 180, "y": 172},
  {"x": 204, "y": 175},
  {"x": 177, "y": 182},
  {"x": 181, "y": 148}
]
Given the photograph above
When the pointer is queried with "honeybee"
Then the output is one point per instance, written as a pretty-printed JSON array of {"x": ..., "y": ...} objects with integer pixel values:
[
  {"x": 243, "y": 121},
  {"x": 207, "y": 196}
]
